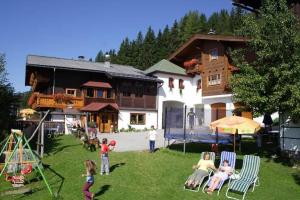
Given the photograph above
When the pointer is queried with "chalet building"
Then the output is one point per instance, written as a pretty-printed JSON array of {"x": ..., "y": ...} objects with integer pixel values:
[
  {"x": 113, "y": 96},
  {"x": 207, "y": 70}
]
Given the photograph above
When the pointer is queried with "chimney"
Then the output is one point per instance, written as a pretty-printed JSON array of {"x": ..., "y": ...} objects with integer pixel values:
[
  {"x": 107, "y": 61},
  {"x": 80, "y": 57}
]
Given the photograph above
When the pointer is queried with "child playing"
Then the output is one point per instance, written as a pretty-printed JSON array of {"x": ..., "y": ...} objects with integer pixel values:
[
  {"x": 90, "y": 172},
  {"x": 222, "y": 174},
  {"x": 152, "y": 137},
  {"x": 104, "y": 157}
]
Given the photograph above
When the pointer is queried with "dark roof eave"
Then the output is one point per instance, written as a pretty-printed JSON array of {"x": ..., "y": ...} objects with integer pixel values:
[
  {"x": 209, "y": 37},
  {"x": 108, "y": 74},
  {"x": 163, "y": 72}
]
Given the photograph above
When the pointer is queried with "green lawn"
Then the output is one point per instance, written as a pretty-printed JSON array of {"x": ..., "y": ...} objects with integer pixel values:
[{"x": 140, "y": 175}]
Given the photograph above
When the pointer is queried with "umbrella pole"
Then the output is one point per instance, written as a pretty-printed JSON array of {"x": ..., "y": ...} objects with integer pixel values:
[{"x": 234, "y": 142}]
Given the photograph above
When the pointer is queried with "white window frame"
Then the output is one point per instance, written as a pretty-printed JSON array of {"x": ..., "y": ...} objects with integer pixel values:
[
  {"x": 70, "y": 89},
  {"x": 214, "y": 79},
  {"x": 137, "y": 119},
  {"x": 213, "y": 54}
]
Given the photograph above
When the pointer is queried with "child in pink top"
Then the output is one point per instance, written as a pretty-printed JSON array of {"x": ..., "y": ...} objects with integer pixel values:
[{"x": 222, "y": 174}]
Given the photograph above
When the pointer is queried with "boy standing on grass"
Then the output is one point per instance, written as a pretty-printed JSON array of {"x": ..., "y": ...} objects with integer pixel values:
[
  {"x": 152, "y": 137},
  {"x": 104, "y": 157}
]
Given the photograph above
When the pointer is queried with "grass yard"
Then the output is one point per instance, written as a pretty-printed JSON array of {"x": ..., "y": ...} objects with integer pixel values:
[{"x": 140, "y": 175}]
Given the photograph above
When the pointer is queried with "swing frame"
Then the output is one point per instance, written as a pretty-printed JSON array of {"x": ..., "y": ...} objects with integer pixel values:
[{"x": 20, "y": 142}]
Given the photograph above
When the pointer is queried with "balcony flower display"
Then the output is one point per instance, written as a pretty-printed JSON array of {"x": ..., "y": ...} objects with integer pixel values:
[
  {"x": 190, "y": 63},
  {"x": 62, "y": 98},
  {"x": 32, "y": 99}
]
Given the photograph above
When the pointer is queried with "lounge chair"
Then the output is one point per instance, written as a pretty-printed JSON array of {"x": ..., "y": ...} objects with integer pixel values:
[
  {"x": 225, "y": 155},
  {"x": 247, "y": 177},
  {"x": 212, "y": 155}
]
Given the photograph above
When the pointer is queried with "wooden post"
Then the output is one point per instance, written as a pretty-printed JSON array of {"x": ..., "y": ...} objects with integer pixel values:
[
  {"x": 39, "y": 137},
  {"x": 42, "y": 139},
  {"x": 234, "y": 142},
  {"x": 86, "y": 125},
  {"x": 184, "y": 129}
]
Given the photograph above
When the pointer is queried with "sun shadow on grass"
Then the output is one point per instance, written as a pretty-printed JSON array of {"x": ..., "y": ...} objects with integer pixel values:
[
  {"x": 102, "y": 190},
  {"x": 296, "y": 177},
  {"x": 62, "y": 179},
  {"x": 113, "y": 167},
  {"x": 64, "y": 147}
]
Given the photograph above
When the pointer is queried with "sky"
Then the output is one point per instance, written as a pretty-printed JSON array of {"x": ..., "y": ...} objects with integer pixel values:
[{"x": 69, "y": 28}]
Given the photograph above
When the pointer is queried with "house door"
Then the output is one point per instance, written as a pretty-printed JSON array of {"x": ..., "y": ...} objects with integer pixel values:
[
  {"x": 218, "y": 111},
  {"x": 107, "y": 121}
]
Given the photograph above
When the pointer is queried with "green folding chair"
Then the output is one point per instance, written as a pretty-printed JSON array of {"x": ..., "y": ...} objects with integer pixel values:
[
  {"x": 248, "y": 177},
  {"x": 212, "y": 156}
]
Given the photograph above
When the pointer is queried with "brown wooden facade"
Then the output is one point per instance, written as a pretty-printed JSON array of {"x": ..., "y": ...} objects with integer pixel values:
[
  {"x": 56, "y": 89},
  {"x": 214, "y": 63}
]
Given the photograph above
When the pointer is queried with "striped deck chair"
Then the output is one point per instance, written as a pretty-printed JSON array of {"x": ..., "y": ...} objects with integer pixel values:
[
  {"x": 225, "y": 155},
  {"x": 247, "y": 177},
  {"x": 212, "y": 155}
]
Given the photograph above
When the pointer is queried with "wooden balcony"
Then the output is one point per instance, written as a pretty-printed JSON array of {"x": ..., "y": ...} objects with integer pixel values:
[
  {"x": 197, "y": 69},
  {"x": 88, "y": 100},
  {"x": 38, "y": 100}
]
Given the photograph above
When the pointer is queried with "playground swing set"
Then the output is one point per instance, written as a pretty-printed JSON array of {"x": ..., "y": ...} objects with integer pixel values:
[{"x": 19, "y": 160}]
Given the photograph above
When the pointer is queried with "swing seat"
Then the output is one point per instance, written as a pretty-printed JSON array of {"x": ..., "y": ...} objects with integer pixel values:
[
  {"x": 17, "y": 179},
  {"x": 27, "y": 169}
]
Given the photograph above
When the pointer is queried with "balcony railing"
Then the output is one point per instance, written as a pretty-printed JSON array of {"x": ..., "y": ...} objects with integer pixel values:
[
  {"x": 38, "y": 100},
  {"x": 197, "y": 69}
]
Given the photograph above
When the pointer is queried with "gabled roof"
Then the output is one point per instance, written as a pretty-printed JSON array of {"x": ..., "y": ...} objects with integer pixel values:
[
  {"x": 114, "y": 70},
  {"x": 165, "y": 66},
  {"x": 97, "y": 84},
  {"x": 212, "y": 37},
  {"x": 96, "y": 106}
]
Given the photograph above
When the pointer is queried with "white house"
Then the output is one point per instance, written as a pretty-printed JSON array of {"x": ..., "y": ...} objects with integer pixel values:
[{"x": 178, "y": 90}]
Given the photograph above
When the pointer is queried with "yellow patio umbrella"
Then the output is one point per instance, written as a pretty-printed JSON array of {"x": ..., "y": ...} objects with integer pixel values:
[
  {"x": 235, "y": 125},
  {"x": 27, "y": 111}
]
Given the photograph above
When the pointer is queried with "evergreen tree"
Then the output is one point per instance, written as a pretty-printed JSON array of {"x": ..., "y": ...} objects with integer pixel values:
[
  {"x": 191, "y": 24},
  {"x": 144, "y": 52},
  {"x": 100, "y": 57},
  {"x": 139, "y": 42},
  {"x": 123, "y": 54},
  {"x": 271, "y": 81},
  {"x": 173, "y": 38},
  {"x": 148, "y": 50},
  {"x": 8, "y": 100},
  {"x": 236, "y": 16}
]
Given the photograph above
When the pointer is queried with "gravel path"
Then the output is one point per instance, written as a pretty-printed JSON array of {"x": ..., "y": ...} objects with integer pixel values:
[{"x": 133, "y": 141}]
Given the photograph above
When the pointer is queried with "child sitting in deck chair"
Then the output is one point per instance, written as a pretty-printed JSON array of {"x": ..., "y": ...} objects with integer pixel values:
[{"x": 222, "y": 174}]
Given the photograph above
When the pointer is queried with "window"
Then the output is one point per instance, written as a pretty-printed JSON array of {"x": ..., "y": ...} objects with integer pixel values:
[
  {"x": 100, "y": 93},
  {"x": 126, "y": 94},
  {"x": 171, "y": 82},
  {"x": 71, "y": 92},
  {"x": 139, "y": 95},
  {"x": 137, "y": 118},
  {"x": 109, "y": 94},
  {"x": 181, "y": 86},
  {"x": 214, "y": 54},
  {"x": 90, "y": 92},
  {"x": 199, "y": 84},
  {"x": 139, "y": 90},
  {"x": 214, "y": 79}
]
